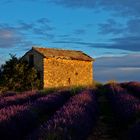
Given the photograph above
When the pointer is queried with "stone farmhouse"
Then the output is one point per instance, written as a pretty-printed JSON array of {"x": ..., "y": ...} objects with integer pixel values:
[{"x": 61, "y": 68}]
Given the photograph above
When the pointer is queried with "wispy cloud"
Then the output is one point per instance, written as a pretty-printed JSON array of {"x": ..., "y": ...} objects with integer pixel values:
[
  {"x": 123, "y": 7},
  {"x": 111, "y": 27},
  {"x": 9, "y": 38},
  {"x": 80, "y": 31},
  {"x": 22, "y": 33},
  {"x": 133, "y": 26},
  {"x": 123, "y": 35},
  {"x": 76, "y": 3},
  {"x": 120, "y": 7},
  {"x": 125, "y": 68},
  {"x": 122, "y": 43},
  {"x": 40, "y": 27}
]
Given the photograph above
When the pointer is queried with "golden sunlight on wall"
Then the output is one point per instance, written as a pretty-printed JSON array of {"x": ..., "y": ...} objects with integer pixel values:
[{"x": 61, "y": 72}]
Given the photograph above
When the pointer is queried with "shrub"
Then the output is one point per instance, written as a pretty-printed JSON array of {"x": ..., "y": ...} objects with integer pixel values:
[{"x": 17, "y": 75}]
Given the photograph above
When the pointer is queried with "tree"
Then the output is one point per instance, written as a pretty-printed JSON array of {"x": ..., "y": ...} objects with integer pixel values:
[{"x": 17, "y": 75}]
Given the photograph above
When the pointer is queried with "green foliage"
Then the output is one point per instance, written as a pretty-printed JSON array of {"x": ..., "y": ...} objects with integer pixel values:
[
  {"x": 17, "y": 75},
  {"x": 76, "y": 89},
  {"x": 98, "y": 84},
  {"x": 48, "y": 90}
]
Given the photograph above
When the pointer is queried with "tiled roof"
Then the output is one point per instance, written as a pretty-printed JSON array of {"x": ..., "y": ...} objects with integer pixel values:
[{"x": 64, "y": 54}]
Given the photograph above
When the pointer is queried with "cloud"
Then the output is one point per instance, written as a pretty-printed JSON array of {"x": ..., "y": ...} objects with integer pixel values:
[
  {"x": 40, "y": 26},
  {"x": 120, "y": 7},
  {"x": 76, "y": 3},
  {"x": 41, "y": 32},
  {"x": 124, "y": 61},
  {"x": 125, "y": 36},
  {"x": 43, "y": 20},
  {"x": 75, "y": 36},
  {"x": 71, "y": 41},
  {"x": 123, "y": 7},
  {"x": 22, "y": 33},
  {"x": 129, "y": 34},
  {"x": 125, "y": 68},
  {"x": 9, "y": 38},
  {"x": 25, "y": 26},
  {"x": 111, "y": 27},
  {"x": 133, "y": 26},
  {"x": 131, "y": 43},
  {"x": 123, "y": 43},
  {"x": 80, "y": 31}
]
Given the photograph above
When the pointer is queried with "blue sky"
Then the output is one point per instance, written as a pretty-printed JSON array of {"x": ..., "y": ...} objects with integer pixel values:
[{"x": 106, "y": 30}]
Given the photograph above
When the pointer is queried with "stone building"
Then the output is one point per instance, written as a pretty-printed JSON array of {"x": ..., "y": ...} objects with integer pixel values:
[{"x": 59, "y": 68}]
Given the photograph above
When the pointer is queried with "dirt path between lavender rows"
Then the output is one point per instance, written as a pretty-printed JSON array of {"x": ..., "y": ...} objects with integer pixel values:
[{"x": 106, "y": 127}]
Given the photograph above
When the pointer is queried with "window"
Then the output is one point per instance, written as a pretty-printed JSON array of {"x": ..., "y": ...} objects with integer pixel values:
[{"x": 31, "y": 60}]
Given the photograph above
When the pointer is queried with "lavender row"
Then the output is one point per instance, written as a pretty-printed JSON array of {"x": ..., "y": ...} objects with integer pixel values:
[
  {"x": 132, "y": 87},
  {"x": 19, "y": 99},
  {"x": 126, "y": 106},
  {"x": 8, "y": 93},
  {"x": 73, "y": 121},
  {"x": 17, "y": 121},
  {"x": 8, "y": 112}
]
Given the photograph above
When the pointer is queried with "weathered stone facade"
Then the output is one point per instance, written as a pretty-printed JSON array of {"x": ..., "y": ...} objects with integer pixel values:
[{"x": 62, "y": 71}]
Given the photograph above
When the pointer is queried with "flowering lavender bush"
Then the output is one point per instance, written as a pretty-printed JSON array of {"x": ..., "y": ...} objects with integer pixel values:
[
  {"x": 73, "y": 121},
  {"x": 8, "y": 93},
  {"x": 126, "y": 106},
  {"x": 132, "y": 87},
  {"x": 51, "y": 102},
  {"x": 15, "y": 120},
  {"x": 19, "y": 99},
  {"x": 22, "y": 119},
  {"x": 114, "y": 88}
]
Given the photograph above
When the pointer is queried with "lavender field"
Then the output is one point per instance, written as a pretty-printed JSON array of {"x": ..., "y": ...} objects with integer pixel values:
[{"x": 108, "y": 112}]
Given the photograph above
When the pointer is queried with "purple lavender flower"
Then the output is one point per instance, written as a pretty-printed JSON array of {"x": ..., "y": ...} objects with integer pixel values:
[
  {"x": 18, "y": 120},
  {"x": 133, "y": 88},
  {"x": 19, "y": 99},
  {"x": 126, "y": 106},
  {"x": 71, "y": 121}
]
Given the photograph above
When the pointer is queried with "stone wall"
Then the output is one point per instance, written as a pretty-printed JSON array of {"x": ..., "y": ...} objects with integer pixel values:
[{"x": 62, "y": 72}]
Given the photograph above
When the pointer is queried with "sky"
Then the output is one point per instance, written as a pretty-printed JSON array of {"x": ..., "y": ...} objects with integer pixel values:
[{"x": 107, "y": 30}]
